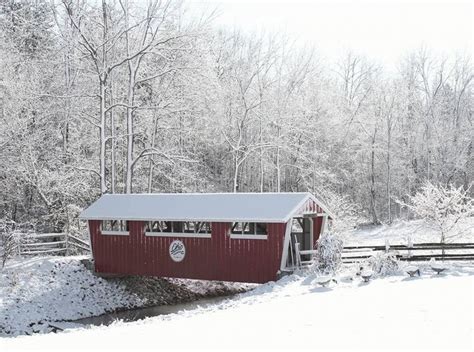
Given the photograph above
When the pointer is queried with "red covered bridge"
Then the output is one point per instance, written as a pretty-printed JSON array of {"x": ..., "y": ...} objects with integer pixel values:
[{"x": 247, "y": 237}]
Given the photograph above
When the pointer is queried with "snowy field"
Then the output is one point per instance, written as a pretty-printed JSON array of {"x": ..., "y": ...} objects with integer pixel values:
[
  {"x": 400, "y": 231},
  {"x": 396, "y": 312}
]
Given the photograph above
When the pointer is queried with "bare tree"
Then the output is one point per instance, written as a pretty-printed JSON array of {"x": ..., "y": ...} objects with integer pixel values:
[
  {"x": 140, "y": 37},
  {"x": 253, "y": 60}
]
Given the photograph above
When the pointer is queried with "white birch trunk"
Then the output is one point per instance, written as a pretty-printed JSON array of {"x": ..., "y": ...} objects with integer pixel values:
[{"x": 102, "y": 138}]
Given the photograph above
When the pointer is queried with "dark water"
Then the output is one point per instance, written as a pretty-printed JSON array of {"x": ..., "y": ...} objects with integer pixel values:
[{"x": 142, "y": 313}]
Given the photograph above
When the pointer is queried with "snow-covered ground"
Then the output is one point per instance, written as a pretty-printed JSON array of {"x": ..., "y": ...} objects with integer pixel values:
[
  {"x": 37, "y": 291},
  {"x": 400, "y": 231},
  {"x": 42, "y": 289},
  {"x": 396, "y": 312}
]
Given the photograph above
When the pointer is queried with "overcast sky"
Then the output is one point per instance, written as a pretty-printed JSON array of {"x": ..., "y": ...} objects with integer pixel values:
[{"x": 383, "y": 30}]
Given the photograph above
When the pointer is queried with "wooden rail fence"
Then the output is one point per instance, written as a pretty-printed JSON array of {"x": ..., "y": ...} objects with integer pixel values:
[
  {"x": 49, "y": 243},
  {"x": 414, "y": 252}
]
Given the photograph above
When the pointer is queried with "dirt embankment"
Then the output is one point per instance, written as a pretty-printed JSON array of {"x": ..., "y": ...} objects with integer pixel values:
[{"x": 165, "y": 291}]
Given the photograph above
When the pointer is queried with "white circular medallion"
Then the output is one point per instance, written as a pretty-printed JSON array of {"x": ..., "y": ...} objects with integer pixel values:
[{"x": 177, "y": 250}]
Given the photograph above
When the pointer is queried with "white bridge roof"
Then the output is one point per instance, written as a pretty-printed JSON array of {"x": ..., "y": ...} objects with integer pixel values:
[{"x": 218, "y": 207}]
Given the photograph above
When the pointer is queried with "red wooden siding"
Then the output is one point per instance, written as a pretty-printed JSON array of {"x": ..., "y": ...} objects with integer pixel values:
[
  {"x": 217, "y": 258},
  {"x": 309, "y": 206},
  {"x": 317, "y": 227}
]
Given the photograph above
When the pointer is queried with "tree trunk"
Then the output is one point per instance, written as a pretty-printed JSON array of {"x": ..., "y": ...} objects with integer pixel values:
[
  {"x": 262, "y": 170},
  {"x": 132, "y": 69},
  {"x": 373, "y": 210},
  {"x": 235, "y": 187},
  {"x": 102, "y": 127},
  {"x": 389, "y": 191},
  {"x": 151, "y": 165},
  {"x": 67, "y": 109},
  {"x": 278, "y": 168},
  {"x": 112, "y": 141},
  {"x": 129, "y": 164},
  {"x": 103, "y": 109}
]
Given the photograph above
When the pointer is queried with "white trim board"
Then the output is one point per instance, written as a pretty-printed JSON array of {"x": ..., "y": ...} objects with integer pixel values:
[
  {"x": 286, "y": 244},
  {"x": 297, "y": 207},
  {"x": 115, "y": 233},
  {"x": 322, "y": 206},
  {"x": 234, "y": 236},
  {"x": 318, "y": 203},
  {"x": 178, "y": 234}
]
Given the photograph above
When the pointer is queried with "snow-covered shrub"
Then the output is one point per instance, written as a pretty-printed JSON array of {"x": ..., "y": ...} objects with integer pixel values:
[
  {"x": 328, "y": 258},
  {"x": 384, "y": 264},
  {"x": 442, "y": 207},
  {"x": 346, "y": 213}
]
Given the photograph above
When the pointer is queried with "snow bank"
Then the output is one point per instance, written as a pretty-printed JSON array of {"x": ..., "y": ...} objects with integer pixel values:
[
  {"x": 35, "y": 292},
  {"x": 38, "y": 290},
  {"x": 433, "y": 311}
]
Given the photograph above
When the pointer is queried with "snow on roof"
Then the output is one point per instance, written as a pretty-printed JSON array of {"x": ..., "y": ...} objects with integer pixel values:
[{"x": 224, "y": 207}]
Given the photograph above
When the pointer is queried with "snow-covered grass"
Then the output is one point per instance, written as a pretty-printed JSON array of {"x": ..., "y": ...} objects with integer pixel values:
[
  {"x": 400, "y": 231},
  {"x": 395, "y": 312}
]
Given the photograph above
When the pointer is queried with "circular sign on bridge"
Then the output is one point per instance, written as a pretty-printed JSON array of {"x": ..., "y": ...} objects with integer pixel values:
[{"x": 177, "y": 250}]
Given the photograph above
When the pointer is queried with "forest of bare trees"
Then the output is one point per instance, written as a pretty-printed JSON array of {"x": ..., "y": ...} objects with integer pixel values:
[{"x": 122, "y": 96}]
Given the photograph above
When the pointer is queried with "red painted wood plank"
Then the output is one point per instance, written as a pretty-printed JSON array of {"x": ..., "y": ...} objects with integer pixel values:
[{"x": 219, "y": 257}]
